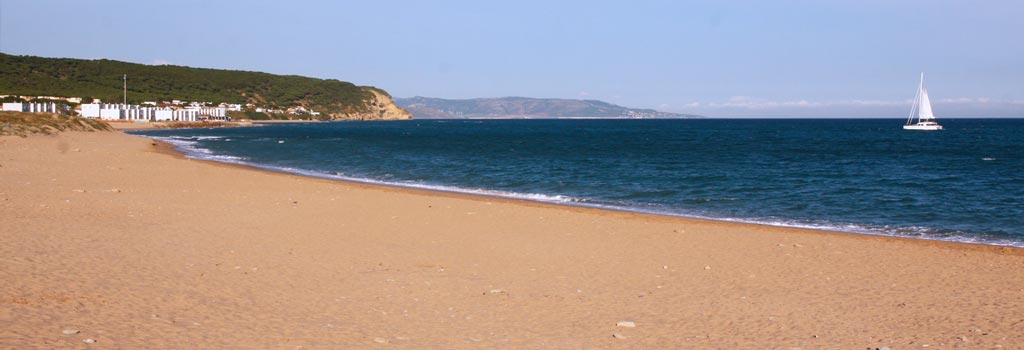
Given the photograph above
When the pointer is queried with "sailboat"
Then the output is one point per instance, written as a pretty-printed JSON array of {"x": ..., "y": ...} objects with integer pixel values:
[{"x": 923, "y": 108}]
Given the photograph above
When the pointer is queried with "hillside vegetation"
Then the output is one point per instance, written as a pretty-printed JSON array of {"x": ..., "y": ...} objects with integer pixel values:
[{"x": 102, "y": 79}]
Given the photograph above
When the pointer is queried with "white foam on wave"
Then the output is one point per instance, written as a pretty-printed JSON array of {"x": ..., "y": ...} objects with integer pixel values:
[
  {"x": 537, "y": 197},
  {"x": 193, "y": 138},
  {"x": 905, "y": 232},
  {"x": 191, "y": 149}
]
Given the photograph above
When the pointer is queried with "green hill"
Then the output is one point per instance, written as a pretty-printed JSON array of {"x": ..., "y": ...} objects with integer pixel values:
[{"x": 102, "y": 79}]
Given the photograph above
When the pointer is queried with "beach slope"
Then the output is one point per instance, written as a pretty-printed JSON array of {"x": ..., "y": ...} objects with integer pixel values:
[{"x": 115, "y": 238}]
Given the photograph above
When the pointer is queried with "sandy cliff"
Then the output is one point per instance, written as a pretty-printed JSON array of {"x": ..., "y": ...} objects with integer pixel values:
[{"x": 379, "y": 107}]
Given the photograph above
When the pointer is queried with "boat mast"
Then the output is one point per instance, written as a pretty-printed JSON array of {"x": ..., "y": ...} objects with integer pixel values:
[{"x": 917, "y": 99}]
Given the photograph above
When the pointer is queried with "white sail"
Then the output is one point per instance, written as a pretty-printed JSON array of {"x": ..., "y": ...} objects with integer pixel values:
[
  {"x": 923, "y": 107},
  {"x": 924, "y": 112}
]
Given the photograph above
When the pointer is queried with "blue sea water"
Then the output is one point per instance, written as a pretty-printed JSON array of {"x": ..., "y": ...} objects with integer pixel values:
[{"x": 855, "y": 175}]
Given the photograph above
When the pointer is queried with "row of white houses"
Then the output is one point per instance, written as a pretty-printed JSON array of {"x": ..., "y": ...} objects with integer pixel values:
[
  {"x": 141, "y": 113},
  {"x": 31, "y": 107}
]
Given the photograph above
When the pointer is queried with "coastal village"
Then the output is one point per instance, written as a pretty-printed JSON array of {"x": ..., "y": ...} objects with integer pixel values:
[{"x": 150, "y": 111}]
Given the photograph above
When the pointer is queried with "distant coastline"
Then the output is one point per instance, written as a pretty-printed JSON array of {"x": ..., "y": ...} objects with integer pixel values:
[{"x": 527, "y": 108}]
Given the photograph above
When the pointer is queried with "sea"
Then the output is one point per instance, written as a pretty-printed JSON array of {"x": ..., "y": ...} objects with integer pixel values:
[{"x": 863, "y": 176}]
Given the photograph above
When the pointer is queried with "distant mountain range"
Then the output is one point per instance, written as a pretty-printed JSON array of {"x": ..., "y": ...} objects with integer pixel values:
[{"x": 525, "y": 108}]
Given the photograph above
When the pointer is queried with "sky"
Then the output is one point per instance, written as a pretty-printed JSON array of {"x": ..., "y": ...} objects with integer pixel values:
[{"x": 715, "y": 58}]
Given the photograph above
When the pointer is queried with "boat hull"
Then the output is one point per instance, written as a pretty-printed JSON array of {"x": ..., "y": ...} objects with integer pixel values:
[{"x": 932, "y": 127}]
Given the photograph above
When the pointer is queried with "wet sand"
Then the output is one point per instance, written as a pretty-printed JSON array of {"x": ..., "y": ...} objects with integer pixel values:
[{"x": 136, "y": 247}]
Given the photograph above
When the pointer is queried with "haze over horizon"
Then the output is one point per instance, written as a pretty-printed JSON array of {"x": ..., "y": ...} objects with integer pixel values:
[{"x": 737, "y": 59}]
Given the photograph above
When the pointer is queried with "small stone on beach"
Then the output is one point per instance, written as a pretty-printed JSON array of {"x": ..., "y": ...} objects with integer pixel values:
[
  {"x": 618, "y": 336},
  {"x": 707, "y": 267},
  {"x": 89, "y": 340},
  {"x": 627, "y": 324},
  {"x": 380, "y": 340},
  {"x": 71, "y": 331}
]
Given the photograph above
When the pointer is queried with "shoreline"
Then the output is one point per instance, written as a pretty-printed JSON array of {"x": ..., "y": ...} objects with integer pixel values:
[
  {"x": 126, "y": 241},
  {"x": 512, "y": 199},
  {"x": 131, "y": 125}
]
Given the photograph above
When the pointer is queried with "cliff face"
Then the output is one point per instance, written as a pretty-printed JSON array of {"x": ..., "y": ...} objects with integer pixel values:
[{"x": 378, "y": 107}]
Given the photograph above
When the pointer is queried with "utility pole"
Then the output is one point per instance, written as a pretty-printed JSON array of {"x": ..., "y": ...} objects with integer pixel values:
[{"x": 126, "y": 90}]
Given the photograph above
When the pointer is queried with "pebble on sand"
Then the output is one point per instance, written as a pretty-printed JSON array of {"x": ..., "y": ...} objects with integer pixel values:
[
  {"x": 89, "y": 340},
  {"x": 380, "y": 340},
  {"x": 627, "y": 324},
  {"x": 618, "y": 336},
  {"x": 71, "y": 331}
]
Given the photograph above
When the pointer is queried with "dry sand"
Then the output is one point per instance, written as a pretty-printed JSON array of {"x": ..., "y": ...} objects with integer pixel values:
[{"x": 138, "y": 248}]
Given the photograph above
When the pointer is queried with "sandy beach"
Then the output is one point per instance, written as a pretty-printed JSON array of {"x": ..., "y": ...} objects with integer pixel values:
[{"x": 130, "y": 244}]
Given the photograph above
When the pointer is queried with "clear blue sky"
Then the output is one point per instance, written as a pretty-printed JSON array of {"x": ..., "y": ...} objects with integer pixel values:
[{"x": 727, "y": 59}]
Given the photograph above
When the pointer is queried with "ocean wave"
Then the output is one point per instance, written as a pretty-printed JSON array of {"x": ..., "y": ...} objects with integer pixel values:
[
  {"x": 190, "y": 146},
  {"x": 918, "y": 232},
  {"x": 193, "y": 138}
]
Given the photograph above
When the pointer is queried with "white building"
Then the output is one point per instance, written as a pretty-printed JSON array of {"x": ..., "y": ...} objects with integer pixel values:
[
  {"x": 186, "y": 115},
  {"x": 118, "y": 112},
  {"x": 147, "y": 113},
  {"x": 13, "y": 106},
  {"x": 111, "y": 113},
  {"x": 31, "y": 107},
  {"x": 90, "y": 110},
  {"x": 143, "y": 114},
  {"x": 103, "y": 111},
  {"x": 214, "y": 113},
  {"x": 178, "y": 115},
  {"x": 164, "y": 115}
]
